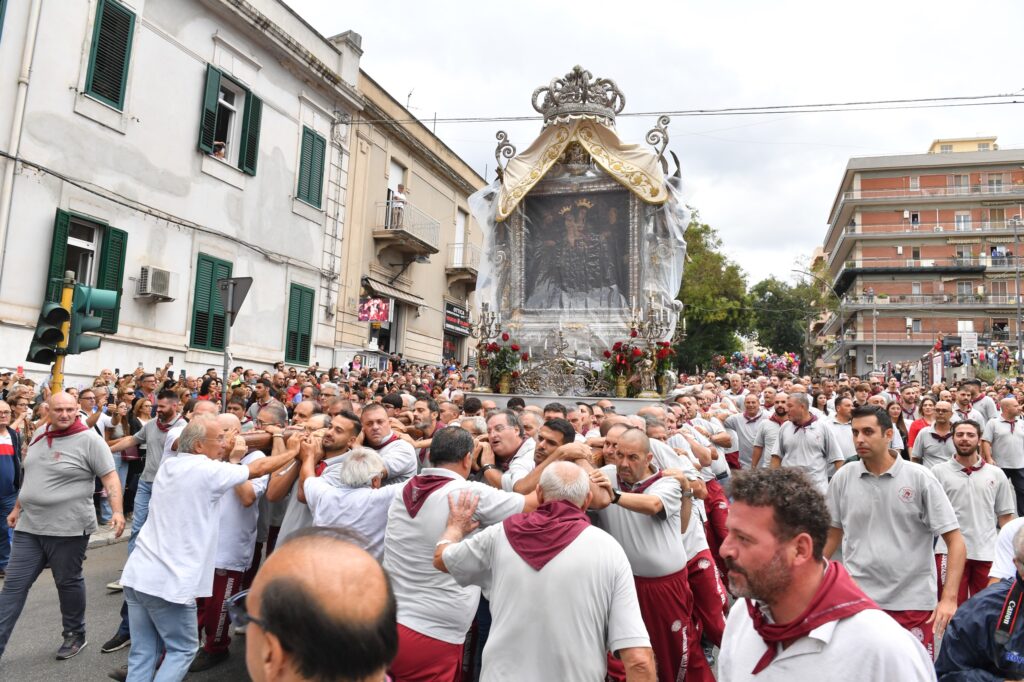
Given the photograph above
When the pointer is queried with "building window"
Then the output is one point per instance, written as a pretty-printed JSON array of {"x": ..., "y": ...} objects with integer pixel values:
[
  {"x": 997, "y": 218},
  {"x": 999, "y": 288},
  {"x": 945, "y": 148},
  {"x": 208, "y": 316},
  {"x": 230, "y": 121},
  {"x": 311, "y": 167},
  {"x": 962, "y": 221},
  {"x": 964, "y": 326},
  {"x": 995, "y": 184},
  {"x": 111, "y": 47},
  {"x": 984, "y": 146},
  {"x": 964, "y": 292},
  {"x": 915, "y": 252},
  {"x": 915, "y": 326},
  {"x": 915, "y": 183},
  {"x": 300, "y": 325},
  {"x": 961, "y": 183},
  {"x": 915, "y": 288},
  {"x": 94, "y": 252}
]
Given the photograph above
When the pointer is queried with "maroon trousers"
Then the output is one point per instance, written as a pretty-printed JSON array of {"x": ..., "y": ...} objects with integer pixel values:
[
  {"x": 212, "y": 611},
  {"x": 425, "y": 659},
  {"x": 709, "y": 599},
  {"x": 717, "y": 507},
  {"x": 974, "y": 580},
  {"x": 916, "y": 623}
]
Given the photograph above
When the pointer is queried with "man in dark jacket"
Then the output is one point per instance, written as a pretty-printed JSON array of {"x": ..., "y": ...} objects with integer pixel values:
[
  {"x": 985, "y": 640},
  {"x": 10, "y": 477}
]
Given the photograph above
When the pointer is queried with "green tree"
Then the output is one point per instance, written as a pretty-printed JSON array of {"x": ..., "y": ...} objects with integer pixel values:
[
  {"x": 714, "y": 292},
  {"x": 782, "y": 313}
]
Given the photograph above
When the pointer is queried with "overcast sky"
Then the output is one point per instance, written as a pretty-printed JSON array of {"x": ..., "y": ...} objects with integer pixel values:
[{"x": 766, "y": 183}]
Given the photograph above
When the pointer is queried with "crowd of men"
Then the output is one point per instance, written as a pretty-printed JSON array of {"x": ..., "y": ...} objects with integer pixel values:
[{"x": 359, "y": 524}]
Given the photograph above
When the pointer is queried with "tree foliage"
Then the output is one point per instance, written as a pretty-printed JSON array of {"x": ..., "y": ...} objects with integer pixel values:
[
  {"x": 714, "y": 292},
  {"x": 782, "y": 313}
]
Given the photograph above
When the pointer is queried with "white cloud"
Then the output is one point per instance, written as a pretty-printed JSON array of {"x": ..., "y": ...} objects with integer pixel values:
[{"x": 765, "y": 183}]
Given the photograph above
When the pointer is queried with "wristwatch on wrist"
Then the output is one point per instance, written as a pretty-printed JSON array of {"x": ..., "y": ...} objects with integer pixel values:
[
  {"x": 487, "y": 467},
  {"x": 616, "y": 494},
  {"x": 688, "y": 493}
]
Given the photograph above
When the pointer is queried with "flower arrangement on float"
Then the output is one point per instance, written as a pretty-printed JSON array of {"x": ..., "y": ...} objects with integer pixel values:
[
  {"x": 502, "y": 360},
  {"x": 622, "y": 363}
]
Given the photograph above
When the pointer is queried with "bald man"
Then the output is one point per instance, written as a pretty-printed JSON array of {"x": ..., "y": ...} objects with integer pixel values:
[
  {"x": 317, "y": 591},
  {"x": 1003, "y": 445}
]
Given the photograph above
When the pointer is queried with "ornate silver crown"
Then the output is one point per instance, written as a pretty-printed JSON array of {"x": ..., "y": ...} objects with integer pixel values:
[{"x": 576, "y": 94}]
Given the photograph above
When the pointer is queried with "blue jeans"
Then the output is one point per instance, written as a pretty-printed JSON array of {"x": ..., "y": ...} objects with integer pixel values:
[
  {"x": 122, "y": 473},
  {"x": 6, "y": 505},
  {"x": 158, "y": 626},
  {"x": 141, "y": 512}
]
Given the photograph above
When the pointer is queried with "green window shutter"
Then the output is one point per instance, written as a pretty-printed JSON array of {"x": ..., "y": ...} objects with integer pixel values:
[
  {"x": 107, "y": 76},
  {"x": 300, "y": 325},
  {"x": 207, "y": 308},
  {"x": 208, "y": 115},
  {"x": 58, "y": 256},
  {"x": 111, "y": 274},
  {"x": 250, "y": 147},
  {"x": 305, "y": 164},
  {"x": 311, "y": 167}
]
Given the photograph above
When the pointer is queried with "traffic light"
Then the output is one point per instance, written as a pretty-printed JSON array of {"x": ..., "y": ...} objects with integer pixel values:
[
  {"x": 48, "y": 335},
  {"x": 87, "y": 302}
]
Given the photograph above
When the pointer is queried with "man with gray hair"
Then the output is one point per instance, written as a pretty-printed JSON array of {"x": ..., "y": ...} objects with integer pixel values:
[
  {"x": 358, "y": 503},
  {"x": 546, "y": 570},
  {"x": 806, "y": 443},
  {"x": 982, "y": 640}
]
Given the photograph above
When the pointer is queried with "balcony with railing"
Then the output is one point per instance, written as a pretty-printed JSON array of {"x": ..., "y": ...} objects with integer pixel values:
[
  {"x": 401, "y": 225},
  {"x": 463, "y": 263},
  {"x": 962, "y": 300},
  {"x": 901, "y": 264},
  {"x": 955, "y": 191}
]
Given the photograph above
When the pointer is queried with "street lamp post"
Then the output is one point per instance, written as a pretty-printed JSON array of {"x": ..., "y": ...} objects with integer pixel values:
[
  {"x": 842, "y": 318},
  {"x": 1016, "y": 278}
]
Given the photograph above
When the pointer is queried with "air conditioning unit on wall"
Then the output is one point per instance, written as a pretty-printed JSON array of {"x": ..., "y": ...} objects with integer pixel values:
[
  {"x": 869, "y": 359},
  {"x": 156, "y": 284}
]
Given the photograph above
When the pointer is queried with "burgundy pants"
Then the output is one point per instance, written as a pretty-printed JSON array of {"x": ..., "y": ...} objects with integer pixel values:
[
  {"x": 974, "y": 580},
  {"x": 212, "y": 611},
  {"x": 717, "y": 507}
]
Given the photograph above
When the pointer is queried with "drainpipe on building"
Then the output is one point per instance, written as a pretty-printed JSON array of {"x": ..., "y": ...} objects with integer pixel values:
[{"x": 14, "y": 146}]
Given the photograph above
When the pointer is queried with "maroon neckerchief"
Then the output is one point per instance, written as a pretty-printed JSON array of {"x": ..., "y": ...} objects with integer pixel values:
[
  {"x": 389, "y": 441},
  {"x": 909, "y": 415},
  {"x": 775, "y": 418},
  {"x": 942, "y": 438},
  {"x": 165, "y": 429},
  {"x": 76, "y": 427},
  {"x": 797, "y": 427},
  {"x": 756, "y": 418},
  {"x": 642, "y": 486},
  {"x": 541, "y": 535},
  {"x": 1012, "y": 424},
  {"x": 837, "y": 597},
  {"x": 965, "y": 415},
  {"x": 970, "y": 470},
  {"x": 419, "y": 488}
]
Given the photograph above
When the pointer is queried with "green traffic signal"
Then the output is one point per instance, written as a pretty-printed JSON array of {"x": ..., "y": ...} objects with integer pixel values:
[
  {"x": 87, "y": 303},
  {"x": 48, "y": 334}
]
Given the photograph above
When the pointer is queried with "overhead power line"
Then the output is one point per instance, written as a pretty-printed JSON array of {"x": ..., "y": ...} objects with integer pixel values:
[{"x": 823, "y": 107}]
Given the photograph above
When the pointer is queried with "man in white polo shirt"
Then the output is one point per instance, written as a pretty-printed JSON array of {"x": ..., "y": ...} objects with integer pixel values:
[
  {"x": 1002, "y": 444},
  {"x": 964, "y": 408},
  {"x": 981, "y": 402},
  {"x": 766, "y": 441},
  {"x": 183, "y": 524},
  {"x": 398, "y": 455},
  {"x": 806, "y": 443},
  {"x": 235, "y": 541},
  {"x": 509, "y": 457},
  {"x": 841, "y": 424},
  {"x": 745, "y": 427},
  {"x": 797, "y": 615},
  {"x": 934, "y": 444},
  {"x": 434, "y": 613},
  {"x": 646, "y": 517},
  {"x": 983, "y": 500},
  {"x": 885, "y": 512},
  {"x": 562, "y": 591}
]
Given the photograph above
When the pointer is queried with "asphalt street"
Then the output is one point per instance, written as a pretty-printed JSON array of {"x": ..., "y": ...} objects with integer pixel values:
[{"x": 37, "y": 636}]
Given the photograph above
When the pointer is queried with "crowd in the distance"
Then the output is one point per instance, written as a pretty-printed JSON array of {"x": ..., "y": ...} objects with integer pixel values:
[{"x": 575, "y": 540}]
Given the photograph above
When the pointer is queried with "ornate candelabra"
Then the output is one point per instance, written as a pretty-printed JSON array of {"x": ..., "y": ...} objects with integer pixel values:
[
  {"x": 650, "y": 324},
  {"x": 485, "y": 329}
]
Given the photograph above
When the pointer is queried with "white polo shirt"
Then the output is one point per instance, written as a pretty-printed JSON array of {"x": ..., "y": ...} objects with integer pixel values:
[
  {"x": 844, "y": 436},
  {"x": 888, "y": 523},
  {"x": 970, "y": 413},
  {"x": 174, "y": 555},
  {"x": 364, "y": 510},
  {"x": 930, "y": 448},
  {"x": 653, "y": 544},
  {"x": 520, "y": 465},
  {"x": 745, "y": 429},
  {"x": 978, "y": 500},
  {"x": 400, "y": 461},
  {"x": 986, "y": 407},
  {"x": 1002, "y": 560},
  {"x": 1007, "y": 442},
  {"x": 237, "y": 535},
  {"x": 557, "y": 623},
  {"x": 869, "y": 645},
  {"x": 429, "y": 601},
  {"x": 768, "y": 438},
  {"x": 811, "y": 448}
]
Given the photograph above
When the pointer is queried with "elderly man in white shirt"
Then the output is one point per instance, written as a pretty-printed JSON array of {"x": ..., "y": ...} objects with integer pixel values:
[
  {"x": 174, "y": 559},
  {"x": 357, "y": 502}
]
